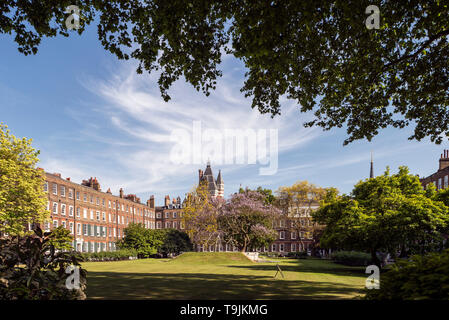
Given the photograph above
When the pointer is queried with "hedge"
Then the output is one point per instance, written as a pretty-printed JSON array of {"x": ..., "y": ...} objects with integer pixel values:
[
  {"x": 123, "y": 254},
  {"x": 351, "y": 258}
]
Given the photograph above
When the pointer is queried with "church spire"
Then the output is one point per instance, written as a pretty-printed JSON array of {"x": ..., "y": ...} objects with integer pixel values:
[{"x": 371, "y": 172}]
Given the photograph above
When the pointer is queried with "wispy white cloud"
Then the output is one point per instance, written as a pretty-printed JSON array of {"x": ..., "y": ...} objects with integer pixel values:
[{"x": 132, "y": 106}]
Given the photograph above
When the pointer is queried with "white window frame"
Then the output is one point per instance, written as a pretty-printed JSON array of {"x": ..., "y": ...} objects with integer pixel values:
[{"x": 55, "y": 208}]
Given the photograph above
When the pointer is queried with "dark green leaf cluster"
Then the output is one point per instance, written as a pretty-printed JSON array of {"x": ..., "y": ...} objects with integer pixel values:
[
  {"x": 421, "y": 277},
  {"x": 351, "y": 258},
  {"x": 123, "y": 254},
  {"x": 315, "y": 52},
  {"x": 388, "y": 213},
  {"x": 148, "y": 242},
  {"x": 32, "y": 268}
]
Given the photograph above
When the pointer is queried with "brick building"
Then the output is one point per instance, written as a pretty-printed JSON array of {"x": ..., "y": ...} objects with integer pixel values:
[
  {"x": 170, "y": 214},
  {"x": 294, "y": 228},
  {"x": 95, "y": 218},
  {"x": 439, "y": 178}
]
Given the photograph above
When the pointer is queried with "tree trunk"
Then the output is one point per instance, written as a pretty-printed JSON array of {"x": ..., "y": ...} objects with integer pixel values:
[
  {"x": 403, "y": 253},
  {"x": 374, "y": 259}
]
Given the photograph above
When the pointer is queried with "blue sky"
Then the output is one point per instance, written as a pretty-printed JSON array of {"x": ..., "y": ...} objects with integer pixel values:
[{"x": 91, "y": 115}]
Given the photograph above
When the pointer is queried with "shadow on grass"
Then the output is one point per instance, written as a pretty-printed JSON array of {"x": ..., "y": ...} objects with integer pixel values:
[
  {"x": 310, "y": 266},
  {"x": 116, "y": 285}
]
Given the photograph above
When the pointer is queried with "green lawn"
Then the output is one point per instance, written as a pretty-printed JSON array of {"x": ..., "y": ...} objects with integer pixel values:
[{"x": 222, "y": 276}]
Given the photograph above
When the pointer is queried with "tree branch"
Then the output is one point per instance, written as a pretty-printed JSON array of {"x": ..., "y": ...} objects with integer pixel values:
[{"x": 424, "y": 45}]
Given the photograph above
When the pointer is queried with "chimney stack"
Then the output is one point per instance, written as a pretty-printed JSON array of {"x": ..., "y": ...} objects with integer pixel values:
[
  {"x": 200, "y": 175},
  {"x": 167, "y": 200},
  {"x": 150, "y": 202},
  {"x": 121, "y": 193},
  {"x": 96, "y": 184},
  {"x": 444, "y": 160}
]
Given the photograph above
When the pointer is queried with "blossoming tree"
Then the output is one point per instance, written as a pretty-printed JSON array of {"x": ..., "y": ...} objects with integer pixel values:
[{"x": 246, "y": 220}]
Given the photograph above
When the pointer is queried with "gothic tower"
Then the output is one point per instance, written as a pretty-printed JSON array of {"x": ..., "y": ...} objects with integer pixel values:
[{"x": 215, "y": 187}]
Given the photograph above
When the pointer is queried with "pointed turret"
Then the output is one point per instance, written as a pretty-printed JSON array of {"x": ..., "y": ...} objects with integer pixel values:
[
  {"x": 219, "y": 178},
  {"x": 220, "y": 185}
]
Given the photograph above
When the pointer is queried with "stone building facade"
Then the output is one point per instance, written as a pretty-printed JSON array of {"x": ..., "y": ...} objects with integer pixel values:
[{"x": 216, "y": 187}]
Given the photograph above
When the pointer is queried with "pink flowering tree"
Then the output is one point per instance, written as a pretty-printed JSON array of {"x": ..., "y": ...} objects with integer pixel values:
[{"x": 246, "y": 220}]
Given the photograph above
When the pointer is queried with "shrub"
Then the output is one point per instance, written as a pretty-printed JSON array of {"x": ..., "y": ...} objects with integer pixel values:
[
  {"x": 122, "y": 254},
  {"x": 421, "y": 277},
  {"x": 137, "y": 237},
  {"x": 31, "y": 268},
  {"x": 351, "y": 258},
  {"x": 150, "y": 242},
  {"x": 174, "y": 242},
  {"x": 298, "y": 255},
  {"x": 272, "y": 254}
]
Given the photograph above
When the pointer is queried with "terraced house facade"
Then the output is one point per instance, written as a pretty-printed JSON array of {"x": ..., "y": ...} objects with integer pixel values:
[
  {"x": 441, "y": 177},
  {"x": 170, "y": 215},
  {"x": 96, "y": 219}
]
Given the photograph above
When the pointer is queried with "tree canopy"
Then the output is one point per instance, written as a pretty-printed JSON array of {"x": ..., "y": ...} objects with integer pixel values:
[
  {"x": 268, "y": 193},
  {"x": 388, "y": 213},
  {"x": 200, "y": 214},
  {"x": 22, "y": 196},
  {"x": 318, "y": 53},
  {"x": 143, "y": 240},
  {"x": 299, "y": 202},
  {"x": 246, "y": 220}
]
